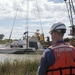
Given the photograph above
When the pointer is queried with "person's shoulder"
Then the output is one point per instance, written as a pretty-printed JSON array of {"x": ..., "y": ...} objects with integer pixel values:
[
  {"x": 47, "y": 52},
  {"x": 48, "y": 49},
  {"x": 71, "y": 46}
]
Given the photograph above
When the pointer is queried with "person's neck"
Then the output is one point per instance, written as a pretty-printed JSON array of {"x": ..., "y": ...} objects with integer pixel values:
[{"x": 59, "y": 39}]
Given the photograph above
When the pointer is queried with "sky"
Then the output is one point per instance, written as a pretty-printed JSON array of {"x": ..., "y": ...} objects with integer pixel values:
[{"x": 34, "y": 15}]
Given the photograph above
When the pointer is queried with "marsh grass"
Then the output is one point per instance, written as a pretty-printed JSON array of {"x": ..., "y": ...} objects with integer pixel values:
[{"x": 17, "y": 67}]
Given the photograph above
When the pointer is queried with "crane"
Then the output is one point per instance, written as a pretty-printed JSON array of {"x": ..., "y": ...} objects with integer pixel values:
[{"x": 71, "y": 13}]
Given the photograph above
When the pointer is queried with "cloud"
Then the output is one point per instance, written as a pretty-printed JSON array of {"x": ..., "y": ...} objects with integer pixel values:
[{"x": 38, "y": 12}]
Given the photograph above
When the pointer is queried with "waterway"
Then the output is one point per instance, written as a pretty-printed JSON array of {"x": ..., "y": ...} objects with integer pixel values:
[{"x": 20, "y": 57}]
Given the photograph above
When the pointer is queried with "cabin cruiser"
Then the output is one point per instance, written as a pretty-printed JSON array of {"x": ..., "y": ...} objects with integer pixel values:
[{"x": 21, "y": 46}]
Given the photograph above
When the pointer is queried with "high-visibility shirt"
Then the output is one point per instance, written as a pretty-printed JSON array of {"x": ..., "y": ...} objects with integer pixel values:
[{"x": 64, "y": 60}]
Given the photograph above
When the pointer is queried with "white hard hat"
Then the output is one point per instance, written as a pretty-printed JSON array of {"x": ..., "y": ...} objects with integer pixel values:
[{"x": 58, "y": 26}]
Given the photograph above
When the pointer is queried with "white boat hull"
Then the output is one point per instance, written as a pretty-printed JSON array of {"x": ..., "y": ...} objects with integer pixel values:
[{"x": 12, "y": 51}]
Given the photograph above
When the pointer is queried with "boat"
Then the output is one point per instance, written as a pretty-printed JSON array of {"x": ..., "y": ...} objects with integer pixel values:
[
  {"x": 11, "y": 51},
  {"x": 21, "y": 46},
  {"x": 26, "y": 44}
]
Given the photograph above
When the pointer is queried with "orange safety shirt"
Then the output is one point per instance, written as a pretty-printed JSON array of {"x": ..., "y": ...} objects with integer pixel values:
[{"x": 64, "y": 60}]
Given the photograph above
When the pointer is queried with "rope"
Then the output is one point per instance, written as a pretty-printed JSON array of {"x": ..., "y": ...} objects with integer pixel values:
[{"x": 14, "y": 22}]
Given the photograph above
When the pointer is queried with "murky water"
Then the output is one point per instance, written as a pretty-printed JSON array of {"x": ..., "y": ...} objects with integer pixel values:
[{"x": 23, "y": 57}]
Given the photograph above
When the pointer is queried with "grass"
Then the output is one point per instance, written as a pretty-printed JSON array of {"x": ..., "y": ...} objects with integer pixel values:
[{"x": 26, "y": 67}]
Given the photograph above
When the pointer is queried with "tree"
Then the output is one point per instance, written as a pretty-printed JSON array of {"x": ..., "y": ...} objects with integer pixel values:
[{"x": 1, "y": 36}]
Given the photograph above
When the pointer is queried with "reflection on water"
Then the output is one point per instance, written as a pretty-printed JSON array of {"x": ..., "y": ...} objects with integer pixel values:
[{"x": 13, "y": 57}]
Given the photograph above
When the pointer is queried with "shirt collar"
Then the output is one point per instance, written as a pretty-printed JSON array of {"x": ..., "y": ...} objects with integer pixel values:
[{"x": 60, "y": 41}]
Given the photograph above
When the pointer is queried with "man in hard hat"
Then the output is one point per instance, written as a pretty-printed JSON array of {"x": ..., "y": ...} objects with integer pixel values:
[{"x": 58, "y": 59}]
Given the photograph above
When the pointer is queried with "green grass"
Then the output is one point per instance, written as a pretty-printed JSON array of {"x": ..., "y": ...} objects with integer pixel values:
[{"x": 26, "y": 67}]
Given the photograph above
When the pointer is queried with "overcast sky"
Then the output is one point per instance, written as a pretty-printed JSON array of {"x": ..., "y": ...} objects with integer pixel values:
[{"x": 36, "y": 14}]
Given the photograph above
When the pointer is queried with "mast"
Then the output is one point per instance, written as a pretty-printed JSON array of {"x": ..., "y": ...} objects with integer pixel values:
[{"x": 27, "y": 20}]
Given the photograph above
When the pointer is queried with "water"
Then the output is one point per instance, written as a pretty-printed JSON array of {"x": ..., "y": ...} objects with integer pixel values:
[{"x": 22, "y": 57}]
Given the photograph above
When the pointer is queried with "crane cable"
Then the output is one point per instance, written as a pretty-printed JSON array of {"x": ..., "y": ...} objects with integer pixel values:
[
  {"x": 39, "y": 16},
  {"x": 73, "y": 7},
  {"x": 69, "y": 12}
]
